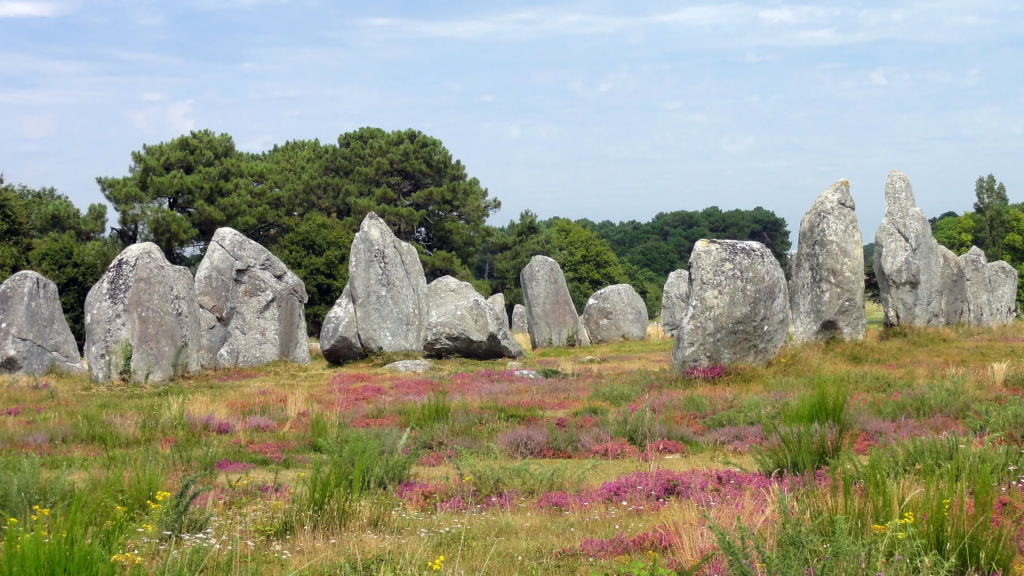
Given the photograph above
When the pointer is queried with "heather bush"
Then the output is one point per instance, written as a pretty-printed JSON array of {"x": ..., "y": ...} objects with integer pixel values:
[{"x": 529, "y": 442}]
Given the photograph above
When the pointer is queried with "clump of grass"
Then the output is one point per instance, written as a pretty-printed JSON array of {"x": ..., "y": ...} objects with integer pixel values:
[
  {"x": 493, "y": 478},
  {"x": 436, "y": 410},
  {"x": 810, "y": 432}
]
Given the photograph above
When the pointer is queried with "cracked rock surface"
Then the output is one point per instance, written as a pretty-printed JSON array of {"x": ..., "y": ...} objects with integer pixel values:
[
  {"x": 463, "y": 323},
  {"x": 34, "y": 335},
  {"x": 142, "y": 319},
  {"x": 739, "y": 306},
  {"x": 252, "y": 307}
]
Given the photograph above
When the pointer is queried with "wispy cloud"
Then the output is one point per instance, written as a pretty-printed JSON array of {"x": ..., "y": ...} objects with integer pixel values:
[{"x": 29, "y": 10}]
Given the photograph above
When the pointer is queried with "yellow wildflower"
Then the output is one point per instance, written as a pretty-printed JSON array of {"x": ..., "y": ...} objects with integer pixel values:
[{"x": 161, "y": 496}]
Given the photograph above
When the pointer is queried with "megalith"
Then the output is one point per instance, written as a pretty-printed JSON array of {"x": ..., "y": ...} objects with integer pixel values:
[
  {"x": 1002, "y": 280},
  {"x": 34, "y": 335},
  {"x": 339, "y": 334},
  {"x": 142, "y": 319},
  {"x": 675, "y": 298},
  {"x": 462, "y": 323},
  {"x": 739, "y": 306},
  {"x": 978, "y": 310},
  {"x": 389, "y": 290},
  {"x": 918, "y": 283},
  {"x": 550, "y": 313},
  {"x": 615, "y": 313},
  {"x": 497, "y": 301},
  {"x": 826, "y": 287},
  {"x": 252, "y": 307},
  {"x": 520, "y": 325}
]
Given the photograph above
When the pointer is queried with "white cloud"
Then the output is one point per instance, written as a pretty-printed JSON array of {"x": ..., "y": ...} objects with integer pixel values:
[
  {"x": 29, "y": 10},
  {"x": 176, "y": 116},
  {"x": 152, "y": 96}
]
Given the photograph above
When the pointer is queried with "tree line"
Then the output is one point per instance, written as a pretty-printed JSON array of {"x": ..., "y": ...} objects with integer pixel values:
[{"x": 304, "y": 200}]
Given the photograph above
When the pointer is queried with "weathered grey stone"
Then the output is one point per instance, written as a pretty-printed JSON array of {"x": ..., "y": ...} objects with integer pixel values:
[
  {"x": 520, "y": 325},
  {"x": 142, "y": 319},
  {"x": 252, "y": 307},
  {"x": 550, "y": 313},
  {"x": 461, "y": 322},
  {"x": 615, "y": 313},
  {"x": 407, "y": 366},
  {"x": 954, "y": 288},
  {"x": 529, "y": 374},
  {"x": 919, "y": 285},
  {"x": 339, "y": 335},
  {"x": 739, "y": 306},
  {"x": 675, "y": 298},
  {"x": 590, "y": 360},
  {"x": 1002, "y": 280},
  {"x": 978, "y": 311},
  {"x": 34, "y": 335},
  {"x": 497, "y": 301},
  {"x": 826, "y": 287},
  {"x": 389, "y": 290}
]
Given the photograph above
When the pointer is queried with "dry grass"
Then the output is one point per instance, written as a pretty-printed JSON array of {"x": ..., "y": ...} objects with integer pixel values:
[
  {"x": 524, "y": 340},
  {"x": 998, "y": 371},
  {"x": 655, "y": 333}
]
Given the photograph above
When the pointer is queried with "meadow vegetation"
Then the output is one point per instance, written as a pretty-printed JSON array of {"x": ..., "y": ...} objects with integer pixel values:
[{"x": 897, "y": 455}]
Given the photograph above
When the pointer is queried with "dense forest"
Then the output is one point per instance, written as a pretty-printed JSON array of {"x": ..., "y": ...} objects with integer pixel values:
[{"x": 304, "y": 200}]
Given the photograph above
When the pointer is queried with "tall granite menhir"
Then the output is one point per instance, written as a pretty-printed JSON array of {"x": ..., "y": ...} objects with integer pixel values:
[
  {"x": 34, "y": 335},
  {"x": 550, "y": 313},
  {"x": 252, "y": 306},
  {"x": 142, "y": 319},
  {"x": 991, "y": 290},
  {"x": 739, "y": 306},
  {"x": 675, "y": 299},
  {"x": 920, "y": 282},
  {"x": 826, "y": 287}
]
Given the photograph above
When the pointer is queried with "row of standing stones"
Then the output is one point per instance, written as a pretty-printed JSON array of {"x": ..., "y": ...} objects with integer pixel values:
[{"x": 147, "y": 320}]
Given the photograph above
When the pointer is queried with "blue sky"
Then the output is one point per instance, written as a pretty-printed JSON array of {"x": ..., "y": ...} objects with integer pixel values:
[{"x": 603, "y": 110}]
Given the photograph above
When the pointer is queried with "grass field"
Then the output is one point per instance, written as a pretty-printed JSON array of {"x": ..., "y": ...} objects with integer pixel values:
[{"x": 896, "y": 455}]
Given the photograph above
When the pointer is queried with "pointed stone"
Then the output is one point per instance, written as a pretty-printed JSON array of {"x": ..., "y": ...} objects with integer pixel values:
[
  {"x": 551, "y": 315},
  {"x": 826, "y": 288},
  {"x": 34, "y": 335}
]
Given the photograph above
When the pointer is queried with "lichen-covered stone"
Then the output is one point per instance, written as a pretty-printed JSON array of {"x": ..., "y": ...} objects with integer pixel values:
[
  {"x": 739, "y": 306},
  {"x": 497, "y": 301},
  {"x": 520, "y": 324},
  {"x": 918, "y": 284},
  {"x": 34, "y": 335},
  {"x": 675, "y": 298},
  {"x": 615, "y": 313},
  {"x": 953, "y": 307},
  {"x": 978, "y": 311},
  {"x": 252, "y": 306},
  {"x": 826, "y": 288},
  {"x": 389, "y": 290},
  {"x": 1002, "y": 280},
  {"x": 142, "y": 319},
  {"x": 463, "y": 323},
  {"x": 409, "y": 366},
  {"x": 550, "y": 312},
  {"x": 339, "y": 335}
]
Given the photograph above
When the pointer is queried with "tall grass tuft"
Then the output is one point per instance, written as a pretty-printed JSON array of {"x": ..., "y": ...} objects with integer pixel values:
[{"x": 809, "y": 433}]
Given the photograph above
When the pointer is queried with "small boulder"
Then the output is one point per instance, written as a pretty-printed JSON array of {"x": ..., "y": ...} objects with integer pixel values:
[
  {"x": 978, "y": 309},
  {"x": 615, "y": 313},
  {"x": 34, "y": 335},
  {"x": 520, "y": 325},
  {"x": 252, "y": 306},
  {"x": 826, "y": 288},
  {"x": 529, "y": 374},
  {"x": 389, "y": 290},
  {"x": 339, "y": 336},
  {"x": 918, "y": 285},
  {"x": 1002, "y": 280},
  {"x": 142, "y": 319},
  {"x": 675, "y": 298},
  {"x": 551, "y": 315},
  {"x": 409, "y": 366},
  {"x": 739, "y": 306},
  {"x": 497, "y": 301},
  {"x": 461, "y": 322}
]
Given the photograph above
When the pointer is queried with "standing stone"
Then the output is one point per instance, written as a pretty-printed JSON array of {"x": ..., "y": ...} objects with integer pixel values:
[
  {"x": 497, "y": 301},
  {"x": 954, "y": 288},
  {"x": 978, "y": 311},
  {"x": 675, "y": 298},
  {"x": 918, "y": 284},
  {"x": 389, "y": 290},
  {"x": 463, "y": 323},
  {"x": 826, "y": 288},
  {"x": 739, "y": 306},
  {"x": 1002, "y": 280},
  {"x": 252, "y": 307},
  {"x": 520, "y": 325},
  {"x": 142, "y": 319},
  {"x": 339, "y": 335},
  {"x": 550, "y": 313},
  {"x": 615, "y": 313},
  {"x": 34, "y": 335}
]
